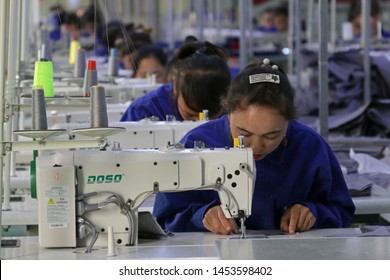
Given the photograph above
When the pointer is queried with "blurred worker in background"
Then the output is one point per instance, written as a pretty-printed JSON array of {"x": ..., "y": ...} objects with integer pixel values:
[
  {"x": 274, "y": 19},
  {"x": 150, "y": 60},
  {"x": 129, "y": 46},
  {"x": 201, "y": 79},
  {"x": 355, "y": 17}
]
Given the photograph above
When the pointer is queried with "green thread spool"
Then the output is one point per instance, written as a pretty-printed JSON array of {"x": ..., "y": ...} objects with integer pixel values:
[{"x": 43, "y": 76}]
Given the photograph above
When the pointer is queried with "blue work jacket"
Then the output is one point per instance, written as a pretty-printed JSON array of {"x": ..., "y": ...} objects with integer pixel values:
[
  {"x": 159, "y": 102},
  {"x": 301, "y": 170}
]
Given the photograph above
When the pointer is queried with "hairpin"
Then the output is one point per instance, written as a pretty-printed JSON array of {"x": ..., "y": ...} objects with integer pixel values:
[
  {"x": 264, "y": 78},
  {"x": 266, "y": 61}
]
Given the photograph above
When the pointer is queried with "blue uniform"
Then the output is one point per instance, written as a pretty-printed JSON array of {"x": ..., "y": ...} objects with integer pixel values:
[
  {"x": 159, "y": 103},
  {"x": 304, "y": 171}
]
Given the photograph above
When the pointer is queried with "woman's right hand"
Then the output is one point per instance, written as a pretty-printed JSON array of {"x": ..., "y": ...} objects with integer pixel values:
[{"x": 216, "y": 222}]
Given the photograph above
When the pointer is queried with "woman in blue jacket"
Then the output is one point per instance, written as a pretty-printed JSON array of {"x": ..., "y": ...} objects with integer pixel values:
[
  {"x": 201, "y": 79},
  {"x": 299, "y": 183}
]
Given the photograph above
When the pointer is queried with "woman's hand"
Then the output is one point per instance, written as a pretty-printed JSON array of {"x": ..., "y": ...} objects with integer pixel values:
[
  {"x": 216, "y": 222},
  {"x": 297, "y": 218}
]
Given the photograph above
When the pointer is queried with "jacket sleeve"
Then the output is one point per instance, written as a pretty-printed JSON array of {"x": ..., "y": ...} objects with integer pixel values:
[
  {"x": 136, "y": 112},
  {"x": 330, "y": 203},
  {"x": 183, "y": 211}
]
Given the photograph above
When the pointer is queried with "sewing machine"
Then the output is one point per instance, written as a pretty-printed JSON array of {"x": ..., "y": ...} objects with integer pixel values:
[
  {"x": 82, "y": 193},
  {"x": 145, "y": 134}
]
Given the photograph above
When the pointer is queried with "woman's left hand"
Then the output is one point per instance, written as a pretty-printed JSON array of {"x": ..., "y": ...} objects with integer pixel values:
[{"x": 297, "y": 218}]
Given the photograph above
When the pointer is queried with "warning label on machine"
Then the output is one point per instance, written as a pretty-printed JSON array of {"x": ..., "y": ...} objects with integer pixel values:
[{"x": 57, "y": 206}]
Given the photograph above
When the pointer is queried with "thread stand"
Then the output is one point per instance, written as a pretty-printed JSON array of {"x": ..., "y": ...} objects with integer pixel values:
[
  {"x": 39, "y": 134},
  {"x": 98, "y": 132},
  {"x": 99, "y": 120},
  {"x": 39, "y": 129}
]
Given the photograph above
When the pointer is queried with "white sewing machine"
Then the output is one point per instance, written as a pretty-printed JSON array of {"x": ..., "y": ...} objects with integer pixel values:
[
  {"x": 145, "y": 134},
  {"x": 81, "y": 193}
]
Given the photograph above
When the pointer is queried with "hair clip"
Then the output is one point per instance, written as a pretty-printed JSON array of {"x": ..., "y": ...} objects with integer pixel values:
[
  {"x": 266, "y": 61},
  {"x": 264, "y": 78}
]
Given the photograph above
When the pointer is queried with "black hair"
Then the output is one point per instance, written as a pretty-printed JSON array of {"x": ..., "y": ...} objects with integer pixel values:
[
  {"x": 197, "y": 48},
  {"x": 139, "y": 39},
  {"x": 170, "y": 69},
  {"x": 147, "y": 52},
  {"x": 191, "y": 48},
  {"x": 203, "y": 76},
  {"x": 203, "y": 82},
  {"x": 190, "y": 38},
  {"x": 125, "y": 49},
  {"x": 110, "y": 33},
  {"x": 281, "y": 9},
  {"x": 73, "y": 19},
  {"x": 279, "y": 96}
]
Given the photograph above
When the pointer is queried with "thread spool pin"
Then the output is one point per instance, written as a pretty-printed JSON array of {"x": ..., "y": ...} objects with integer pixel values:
[{"x": 111, "y": 245}]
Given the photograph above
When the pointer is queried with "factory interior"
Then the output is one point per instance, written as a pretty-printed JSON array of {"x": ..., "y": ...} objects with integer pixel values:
[{"x": 85, "y": 176}]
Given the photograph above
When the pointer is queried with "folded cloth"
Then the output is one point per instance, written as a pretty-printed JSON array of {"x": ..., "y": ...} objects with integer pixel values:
[
  {"x": 358, "y": 185},
  {"x": 369, "y": 164}
]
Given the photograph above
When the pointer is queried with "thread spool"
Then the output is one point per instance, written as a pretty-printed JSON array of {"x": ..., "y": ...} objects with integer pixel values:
[
  {"x": 201, "y": 116},
  {"x": 74, "y": 46},
  {"x": 113, "y": 63},
  {"x": 241, "y": 144},
  {"x": 205, "y": 115},
  {"x": 235, "y": 142},
  {"x": 90, "y": 77},
  {"x": 43, "y": 76},
  {"x": 39, "y": 119},
  {"x": 379, "y": 30},
  {"x": 79, "y": 66},
  {"x": 98, "y": 107},
  {"x": 47, "y": 51}
]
